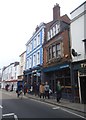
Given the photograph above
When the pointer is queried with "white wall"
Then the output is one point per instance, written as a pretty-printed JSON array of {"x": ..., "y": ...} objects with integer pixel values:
[{"x": 78, "y": 33}]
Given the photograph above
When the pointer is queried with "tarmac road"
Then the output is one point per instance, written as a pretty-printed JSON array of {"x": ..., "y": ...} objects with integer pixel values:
[{"x": 29, "y": 108}]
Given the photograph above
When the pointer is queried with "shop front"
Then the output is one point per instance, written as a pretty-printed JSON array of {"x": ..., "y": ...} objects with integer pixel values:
[
  {"x": 33, "y": 75},
  {"x": 79, "y": 78},
  {"x": 60, "y": 73}
]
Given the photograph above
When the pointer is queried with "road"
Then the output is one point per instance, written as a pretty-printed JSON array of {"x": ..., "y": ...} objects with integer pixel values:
[{"x": 29, "y": 108}]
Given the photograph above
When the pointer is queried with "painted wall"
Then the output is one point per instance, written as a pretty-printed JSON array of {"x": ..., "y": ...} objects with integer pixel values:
[
  {"x": 34, "y": 50},
  {"x": 78, "y": 32}
]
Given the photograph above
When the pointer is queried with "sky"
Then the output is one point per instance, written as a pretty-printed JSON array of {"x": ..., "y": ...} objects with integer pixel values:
[{"x": 18, "y": 20}]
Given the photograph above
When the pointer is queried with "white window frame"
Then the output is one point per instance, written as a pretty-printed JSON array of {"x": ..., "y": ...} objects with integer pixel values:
[
  {"x": 38, "y": 57},
  {"x": 48, "y": 35},
  {"x": 57, "y": 28},
  {"x": 34, "y": 59},
  {"x": 27, "y": 64},
  {"x": 38, "y": 39},
  {"x": 54, "y": 31},
  {"x": 30, "y": 62}
]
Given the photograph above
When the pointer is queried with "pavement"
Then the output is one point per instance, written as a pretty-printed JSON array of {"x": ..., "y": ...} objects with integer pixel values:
[{"x": 63, "y": 103}]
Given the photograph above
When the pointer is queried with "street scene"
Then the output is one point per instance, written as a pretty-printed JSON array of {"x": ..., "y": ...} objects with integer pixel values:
[{"x": 48, "y": 79}]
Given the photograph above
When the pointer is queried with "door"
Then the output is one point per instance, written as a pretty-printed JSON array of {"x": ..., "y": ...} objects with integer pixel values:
[{"x": 83, "y": 89}]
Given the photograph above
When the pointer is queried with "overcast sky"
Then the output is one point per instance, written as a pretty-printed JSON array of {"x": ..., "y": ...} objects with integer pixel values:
[{"x": 18, "y": 20}]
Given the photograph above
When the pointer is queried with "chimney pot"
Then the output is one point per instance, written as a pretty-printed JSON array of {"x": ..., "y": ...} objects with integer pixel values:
[{"x": 56, "y": 12}]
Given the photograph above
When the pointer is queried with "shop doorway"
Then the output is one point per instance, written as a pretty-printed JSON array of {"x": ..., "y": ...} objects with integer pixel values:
[{"x": 83, "y": 89}]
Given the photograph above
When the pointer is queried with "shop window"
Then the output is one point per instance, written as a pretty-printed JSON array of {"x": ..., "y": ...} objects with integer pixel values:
[{"x": 67, "y": 82}]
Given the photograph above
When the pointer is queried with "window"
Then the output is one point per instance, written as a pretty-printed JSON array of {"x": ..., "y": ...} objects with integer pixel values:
[
  {"x": 35, "y": 43},
  {"x": 53, "y": 31},
  {"x": 53, "y": 51},
  {"x": 48, "y": 35},
  {"x": 50, "y": 53},
  {"x": 27, "y": 64},
  {"x": 34, "y": 60},
  {"x": 30, "y": 61},
  {"x": 57, "y": 28},
  {"x": 38, "y": 39},
  {"x": 38, "y": 58},
  {"x": 58, "y": 50},
  {"x": 30, "y": 47}
]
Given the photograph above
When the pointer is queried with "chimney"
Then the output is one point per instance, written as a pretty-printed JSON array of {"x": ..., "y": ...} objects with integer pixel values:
[
  {"x": 37, "y": 28},
  {"x": 56, "y": 12}
]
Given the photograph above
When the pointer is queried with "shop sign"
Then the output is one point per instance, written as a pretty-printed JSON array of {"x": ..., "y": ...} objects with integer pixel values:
[{"x": 83, "y": 65}]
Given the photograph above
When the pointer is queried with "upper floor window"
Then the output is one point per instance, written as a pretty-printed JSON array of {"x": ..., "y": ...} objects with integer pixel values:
[
  {"x": 53, "y": 51},
  {"x": 27, "y": 64},
  {"x": 50, "y": 52},
  {"x": 30, "y": 59},
  {"x": 53, "y": 31},
  {"x": 58, "y": 50},
  {"x": 48, "y": 35},
  {"x": 30, "y": 47},
  {"x": 38, "y": 41},
  {"x": 57, "y": 28},
  {"x": 34, "y": 60},
  {"x": 38, "y": 58},
  {"x": 35, "y": 43}
]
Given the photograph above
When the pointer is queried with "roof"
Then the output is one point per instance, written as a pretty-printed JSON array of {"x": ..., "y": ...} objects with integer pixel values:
[{"x": 78, "y": 7}]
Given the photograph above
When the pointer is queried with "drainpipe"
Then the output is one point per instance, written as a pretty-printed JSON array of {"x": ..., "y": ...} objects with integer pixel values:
[
  {"x": 71, "y": 66},
  {"x": 79, "y": 87}
]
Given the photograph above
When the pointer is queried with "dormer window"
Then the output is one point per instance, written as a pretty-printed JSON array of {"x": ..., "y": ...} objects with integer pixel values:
[
  {"x": 53, "y": 31},
  {"x": 48, "y": 35},
  {"x": 57, "y": 28}
]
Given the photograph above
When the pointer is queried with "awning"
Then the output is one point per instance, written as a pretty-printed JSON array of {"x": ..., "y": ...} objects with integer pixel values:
[{"x": 54, "y": 68}]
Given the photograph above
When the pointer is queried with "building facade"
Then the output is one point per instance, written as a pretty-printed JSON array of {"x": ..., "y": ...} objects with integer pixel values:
[
  {"x": 78, "y": 37},
  {"x": 57, "y": 54},
  {"x": 22, "y": 65},
  {"x": 10, "y": 75},
  {"x": 34, "y": 55}
]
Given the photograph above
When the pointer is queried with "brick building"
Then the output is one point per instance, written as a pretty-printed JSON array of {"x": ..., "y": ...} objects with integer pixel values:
[{"x": 56, "y": 53}]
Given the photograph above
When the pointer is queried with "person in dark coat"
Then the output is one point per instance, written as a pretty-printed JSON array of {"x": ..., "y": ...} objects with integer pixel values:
[
  {"x": 19, "y": 88},
  {"x": 25, "y": 88},
  {"x": 58, "y": 91}
]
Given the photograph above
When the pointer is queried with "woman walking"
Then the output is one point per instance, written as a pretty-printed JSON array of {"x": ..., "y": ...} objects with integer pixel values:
[{"x": 41, "y": 90}]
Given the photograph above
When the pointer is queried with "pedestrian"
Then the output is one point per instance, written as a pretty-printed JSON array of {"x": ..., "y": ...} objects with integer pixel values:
[
  {"x": 41, "y": 90},
  {"x": 58, "y": 91},
  {"x": 35, "y": 88},
  {"x": 12, "y": 88},
  {"x": 25, "y": 88},
  {"x": 19, "y": 90},
  {"x": 46, "y": 88}
]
